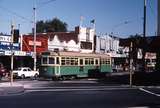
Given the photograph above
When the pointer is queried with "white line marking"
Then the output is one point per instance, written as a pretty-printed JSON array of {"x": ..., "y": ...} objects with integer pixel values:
[
  {"x": 139, "y": 107},
  {"x": 149, "y": 92},
  {"x": 50, "y": 90},
  {"x": 75, "y": 89}
]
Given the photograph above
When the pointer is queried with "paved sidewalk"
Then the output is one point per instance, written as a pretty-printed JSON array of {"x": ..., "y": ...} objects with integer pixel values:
[{"x": 7, "y": 89}]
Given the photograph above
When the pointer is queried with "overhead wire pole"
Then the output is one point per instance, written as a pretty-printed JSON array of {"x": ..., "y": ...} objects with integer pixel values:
[
  {"x": 34, "y": 55},
  {"x": 131, "y": 64},
  {"x": 12, "y": 54},
  {"x": 144, "y": 38},
  {"x": 35, "y": 21},
  {"x": 158, "y": 34}
]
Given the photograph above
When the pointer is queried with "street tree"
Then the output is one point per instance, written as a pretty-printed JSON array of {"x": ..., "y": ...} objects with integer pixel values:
[{"x": 54, "y": 25}]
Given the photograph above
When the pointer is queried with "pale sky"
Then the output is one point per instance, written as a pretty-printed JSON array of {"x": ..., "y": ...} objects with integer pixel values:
[{"x": 122, "y": 17}]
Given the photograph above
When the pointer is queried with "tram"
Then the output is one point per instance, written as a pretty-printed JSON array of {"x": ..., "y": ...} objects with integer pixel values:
[{"x": 74, "y": 64}]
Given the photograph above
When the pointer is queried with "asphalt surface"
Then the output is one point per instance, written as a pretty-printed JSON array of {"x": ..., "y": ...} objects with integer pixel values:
[
  {"x": 115, "y": 98},
  {"x": 81, "y": 93}
]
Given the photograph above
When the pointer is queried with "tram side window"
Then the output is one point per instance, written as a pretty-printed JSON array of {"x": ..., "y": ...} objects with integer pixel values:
[
  {"x": 91, "y": 61},
  {"x": 76, "y": 61},
  {"x": 63, "y": 60},
  {"x": 96, "y": 61},
  {"x": 44, "y": 60},
  {"x": 102, "y": 61},
  {"x": 107, "y": 61},
  {"x": 51, "y": 60},
  {"x": 86, "y": 61},
  {"x": 69, "y": 61},
  {"x": 57, "y": 60},
  {"x": 81, "y": 61},
  {"x": 72, "y": 61}
]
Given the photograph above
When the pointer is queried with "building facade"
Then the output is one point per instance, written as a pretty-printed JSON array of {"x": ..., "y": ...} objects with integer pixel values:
[
  {"x": 109, "y": 44},
  {"x": 80, "y": 40}
]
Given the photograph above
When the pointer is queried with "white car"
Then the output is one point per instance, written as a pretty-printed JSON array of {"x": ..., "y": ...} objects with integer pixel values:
[{"x": 25, "y": 72}]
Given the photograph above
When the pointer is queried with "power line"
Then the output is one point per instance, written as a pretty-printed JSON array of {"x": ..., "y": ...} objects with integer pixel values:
[
  {"x": 151, "y": 8},
  {"x": 45, "y": 3},
  {"x": 124, "y": 23},
  {"x": 16, "y": 14},
  {"x": 22, "y": 17}
]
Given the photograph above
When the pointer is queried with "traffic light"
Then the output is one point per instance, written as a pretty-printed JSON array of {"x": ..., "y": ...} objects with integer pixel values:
[{"x": 15, "y": 35}]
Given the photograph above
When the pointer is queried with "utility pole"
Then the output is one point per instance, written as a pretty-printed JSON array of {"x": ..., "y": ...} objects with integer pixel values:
[
  {"x": 12, "y": 54},
  {"x": 35, "y": 21},
  {"x": 144, "y": 38},
  {"x": 158, "y": 18},
  {"x": 158, "y": 34},
  {"x": 34, "y": 55},
  {"x": 131, "y": 64}
]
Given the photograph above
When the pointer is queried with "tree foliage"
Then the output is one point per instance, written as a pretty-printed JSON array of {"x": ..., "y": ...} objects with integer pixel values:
[{"x": 54, "y": 25}]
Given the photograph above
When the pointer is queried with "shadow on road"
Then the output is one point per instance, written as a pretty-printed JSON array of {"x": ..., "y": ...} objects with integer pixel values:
[{"x": 139, "y": 79}]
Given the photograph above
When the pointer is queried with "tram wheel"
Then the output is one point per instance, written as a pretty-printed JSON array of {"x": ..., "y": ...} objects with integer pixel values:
[{"x": 55, "y": 78}]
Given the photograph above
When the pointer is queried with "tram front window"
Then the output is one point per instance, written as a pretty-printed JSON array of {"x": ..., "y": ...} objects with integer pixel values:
[
  {"x": 51, "y": 60},
  {"x": 44, "y": 60}
]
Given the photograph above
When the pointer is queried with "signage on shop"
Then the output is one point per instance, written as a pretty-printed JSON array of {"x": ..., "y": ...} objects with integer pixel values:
[
  {"x": 5, "y": 38},
  {"x": 9, "y": 46}
]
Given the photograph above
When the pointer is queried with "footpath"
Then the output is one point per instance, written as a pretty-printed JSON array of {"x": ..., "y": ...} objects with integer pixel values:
[{"x": 6, "y": 88}]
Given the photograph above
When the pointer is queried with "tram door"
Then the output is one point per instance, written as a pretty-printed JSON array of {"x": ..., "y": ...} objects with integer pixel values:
[
  {"x": 81, "y": 69},
  {"x": 57, "y": 66}
]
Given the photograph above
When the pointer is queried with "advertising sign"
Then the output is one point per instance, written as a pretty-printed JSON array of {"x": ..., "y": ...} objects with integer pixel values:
[
  {"x": 5, "y": 38},
  {"x": 9, "y": 46},
  {"x": 41, "y": 43}
]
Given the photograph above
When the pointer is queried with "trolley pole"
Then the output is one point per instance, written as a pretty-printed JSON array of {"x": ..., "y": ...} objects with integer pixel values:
[
  {"x": 12, "y": 55},
  {"x": 34, "y": 55},
  {"x": 131, "y": 65}
]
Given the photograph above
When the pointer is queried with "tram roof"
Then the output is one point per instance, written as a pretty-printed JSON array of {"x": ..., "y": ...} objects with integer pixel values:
[{"x": 75, "y": 54}]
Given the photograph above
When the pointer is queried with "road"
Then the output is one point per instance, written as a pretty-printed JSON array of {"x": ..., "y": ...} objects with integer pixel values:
[
  {"x": 82, "y": 99},
  {"x": 81, "y": 94}
]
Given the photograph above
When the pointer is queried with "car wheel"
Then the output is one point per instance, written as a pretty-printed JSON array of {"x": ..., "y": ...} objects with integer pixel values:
[
  {"x": 0, "y": 77},
  {"x": 36, "y": 76},
  {"x": 22, "y": 76}
]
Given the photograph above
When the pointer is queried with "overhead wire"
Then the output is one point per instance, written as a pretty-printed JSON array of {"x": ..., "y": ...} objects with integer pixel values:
[
  {"x": 44, "y": 3},
  {"x": 22, "y": 17},
  {"x": 153, "y": 13},
  {"x": 16, "y": 14},
  {"x": 124, "y": 23},
  {"x": 151, "y": 8}
]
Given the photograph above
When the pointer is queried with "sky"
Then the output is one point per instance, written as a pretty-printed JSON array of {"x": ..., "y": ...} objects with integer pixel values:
[{"x": 119, "y": 17}]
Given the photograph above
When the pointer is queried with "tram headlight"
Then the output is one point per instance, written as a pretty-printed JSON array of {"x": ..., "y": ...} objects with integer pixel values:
[{"x": 45, "y": 69}]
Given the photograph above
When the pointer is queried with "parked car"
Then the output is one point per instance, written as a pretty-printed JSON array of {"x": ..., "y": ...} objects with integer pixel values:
[
  {"x": 25, "y": 72},
  {"x": 3, "y": 72}
]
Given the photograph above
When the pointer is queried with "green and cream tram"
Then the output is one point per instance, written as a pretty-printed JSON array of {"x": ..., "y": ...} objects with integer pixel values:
[{"x": 73, "y": 64}]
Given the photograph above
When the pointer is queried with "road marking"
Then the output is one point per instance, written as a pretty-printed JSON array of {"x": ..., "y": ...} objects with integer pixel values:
[
  {"x": 80, "y": 87},
  {"x": 74, "y": 89},
  {"x": 139, "y": 107},
  {"x": 147, "y": 91}
]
